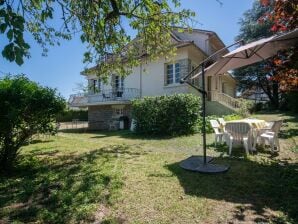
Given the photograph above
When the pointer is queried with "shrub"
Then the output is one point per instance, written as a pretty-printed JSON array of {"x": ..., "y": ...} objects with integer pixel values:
[
  {"x": 232, "y": 117},
  {"x": 246, "y": 108},
  {"x": 166, "y": 115},
  {"x": 209, "y": 129},
  {"x": 291, "y": 101},
  {"x": 26, "y": 109}
]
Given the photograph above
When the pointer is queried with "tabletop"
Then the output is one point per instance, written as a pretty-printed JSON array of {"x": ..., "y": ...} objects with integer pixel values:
[{"x": 253, "y": 122}]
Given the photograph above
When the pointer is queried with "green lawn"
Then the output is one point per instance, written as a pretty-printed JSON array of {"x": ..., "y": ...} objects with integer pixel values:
[{"x": 117, "y": 177}]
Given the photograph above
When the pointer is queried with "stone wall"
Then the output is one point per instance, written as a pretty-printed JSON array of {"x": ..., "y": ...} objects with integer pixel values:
[{"x": 104, "y": 117}]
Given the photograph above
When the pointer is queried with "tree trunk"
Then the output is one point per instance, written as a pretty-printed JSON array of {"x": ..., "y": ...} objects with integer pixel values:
[{"x": 275, "y": 95}]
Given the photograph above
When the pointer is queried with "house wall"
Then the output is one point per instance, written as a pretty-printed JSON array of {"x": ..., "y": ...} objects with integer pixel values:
[
  {"x": 149, "y": 77},
  {"x": 200, "y": 39},
  {"x": 105, "y": 117},
  {"x": 229, "y": 85}
]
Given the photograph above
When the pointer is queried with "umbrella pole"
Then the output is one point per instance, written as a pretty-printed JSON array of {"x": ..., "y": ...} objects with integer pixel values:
[
  {"x": 204, "y": 113},
  {"x": 197, "y": 163}
]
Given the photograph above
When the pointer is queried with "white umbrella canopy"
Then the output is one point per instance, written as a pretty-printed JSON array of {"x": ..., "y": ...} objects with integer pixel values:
[{"x": 253, "y": 52}]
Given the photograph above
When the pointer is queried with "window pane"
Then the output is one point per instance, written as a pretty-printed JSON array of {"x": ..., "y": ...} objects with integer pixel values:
[
  {"x": 122, "y": 82},
  {"x": 177, "y": 73},
  {"x": 117, "y": 82},
  {"x": 170, "y": 74}
]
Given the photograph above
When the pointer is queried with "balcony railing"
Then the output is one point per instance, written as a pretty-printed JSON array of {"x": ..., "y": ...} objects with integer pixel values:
[
  {"x": 225, "y": 99},
  {"x": 124, "y": 94}
]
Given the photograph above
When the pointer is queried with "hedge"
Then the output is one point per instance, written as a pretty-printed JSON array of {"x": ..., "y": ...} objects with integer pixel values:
[
  {"x": 166, "y": 115},
  {"x": 69, "y": 115}
]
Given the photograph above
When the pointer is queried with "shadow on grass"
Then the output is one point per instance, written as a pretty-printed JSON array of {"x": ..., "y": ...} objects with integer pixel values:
[
  {"x": 289, "y": 133},
  {"x": 62, "y": 188},
  {"x": 37, "y": 141},
  {"x": 258, "y": 186},
  {"x": 126, "y": 134}
]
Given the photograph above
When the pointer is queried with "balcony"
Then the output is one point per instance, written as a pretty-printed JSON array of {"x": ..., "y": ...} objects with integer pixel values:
[{"x": 104, "y": 97}]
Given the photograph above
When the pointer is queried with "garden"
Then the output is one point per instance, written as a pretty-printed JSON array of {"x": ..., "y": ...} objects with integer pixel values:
[{"x": 120, "y": 177}]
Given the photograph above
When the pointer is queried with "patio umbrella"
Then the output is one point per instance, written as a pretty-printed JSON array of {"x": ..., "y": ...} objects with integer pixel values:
[
  {"x": 253, "y": 52},
  {"x": 244, "y": 55}
]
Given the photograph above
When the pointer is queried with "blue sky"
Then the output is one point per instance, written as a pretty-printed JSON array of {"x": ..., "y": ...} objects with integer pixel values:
[{"x": 61, "y": 68}]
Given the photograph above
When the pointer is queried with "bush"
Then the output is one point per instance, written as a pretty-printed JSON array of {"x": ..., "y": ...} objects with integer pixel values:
[
  {"x": 232, "y": 117},
  {"x": 209, "y": 129},
  {"x": 246, "y": 108},
  {"x": 69, "y": 115},
  {"x": 291, "y": 99},
  {"x": 166, "y": 115},
  {"x": 26, "y": 109}
]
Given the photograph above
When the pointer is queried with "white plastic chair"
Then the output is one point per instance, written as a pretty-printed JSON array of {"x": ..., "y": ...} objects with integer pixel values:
[
  {"x": 239, "y": 132},
  {"x": 271, "y": 136},
  {"x": 222, "y": 121},
  {"x": 218, "y": 134}
]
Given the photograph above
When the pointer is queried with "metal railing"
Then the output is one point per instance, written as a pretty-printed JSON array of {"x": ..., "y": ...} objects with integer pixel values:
[{"x": 121, "y": 94}]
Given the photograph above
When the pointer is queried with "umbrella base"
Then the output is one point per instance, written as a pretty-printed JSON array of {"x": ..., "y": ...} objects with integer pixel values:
[{"x": 196, "y": 164}]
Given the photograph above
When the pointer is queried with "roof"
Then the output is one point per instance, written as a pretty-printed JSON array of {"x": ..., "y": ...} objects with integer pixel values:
[
  {"x": 187, "y": 40},
  {"x": 212, "y": 36}
]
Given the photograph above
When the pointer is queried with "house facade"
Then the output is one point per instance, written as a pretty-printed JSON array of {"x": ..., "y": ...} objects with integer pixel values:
[{"x": 107, "y": 102}]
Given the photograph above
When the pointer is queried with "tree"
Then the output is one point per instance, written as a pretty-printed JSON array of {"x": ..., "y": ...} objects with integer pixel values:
[
  {"x": 284, "y": 17},
  {"x": 103, "y": 26},
  {"x": 26, "y": 109},
  {"x": 260, "y": 74}
]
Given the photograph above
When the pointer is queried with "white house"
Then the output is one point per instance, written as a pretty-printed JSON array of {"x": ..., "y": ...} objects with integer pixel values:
[
  {"x": 107, "y": 102},
  {"x": 256, "y": 94}
]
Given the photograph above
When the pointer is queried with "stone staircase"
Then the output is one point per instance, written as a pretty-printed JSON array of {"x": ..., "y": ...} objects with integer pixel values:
[{"x": 221, "y": 103}]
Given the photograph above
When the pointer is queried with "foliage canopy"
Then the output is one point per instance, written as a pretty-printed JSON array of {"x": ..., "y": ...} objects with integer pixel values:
[
  {"x": 26, "y": 109},
  {"x": 102, "y": 25}
]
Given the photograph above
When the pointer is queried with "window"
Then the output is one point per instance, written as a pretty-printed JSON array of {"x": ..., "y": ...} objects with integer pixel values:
[
  {"x": 94, "y": 86},
  {"x": 99, "y": 85},
  {"x": 173, "y": 73},
  {"x": 119, "y": 82},
  {"x": 118, "y": 112}
]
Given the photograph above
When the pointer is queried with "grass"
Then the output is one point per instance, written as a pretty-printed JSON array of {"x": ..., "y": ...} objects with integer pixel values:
[{"x": 118, "y": 177}]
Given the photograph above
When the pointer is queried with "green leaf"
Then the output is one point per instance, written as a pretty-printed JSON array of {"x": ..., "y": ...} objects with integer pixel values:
[
  {"x": 3, "y": 27},
  {"x": 2, "y": 12},
  {"x": 10, "y": 34},
  {"x": 19, "y": 58},
  {"x": 8, "y": 52}
]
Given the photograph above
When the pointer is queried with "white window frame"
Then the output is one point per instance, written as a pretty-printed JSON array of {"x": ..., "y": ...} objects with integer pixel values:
[{"x": 174, "y": 74}]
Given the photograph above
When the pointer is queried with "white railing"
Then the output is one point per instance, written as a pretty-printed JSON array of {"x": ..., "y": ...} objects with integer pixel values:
[
  {"x": 83, "y": 99},
  {"x": 224, "y": 99},
  {"x": 78, "y": 100},
  {"x": 124, "y": 94}
]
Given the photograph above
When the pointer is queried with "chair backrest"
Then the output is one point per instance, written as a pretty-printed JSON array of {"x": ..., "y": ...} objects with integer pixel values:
[
  {"x": 238, "y": 130},
  {"x": 222, "y": 121},
  {"x": 215, "y": 125},
  {"x": 276, "y": 126}
]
